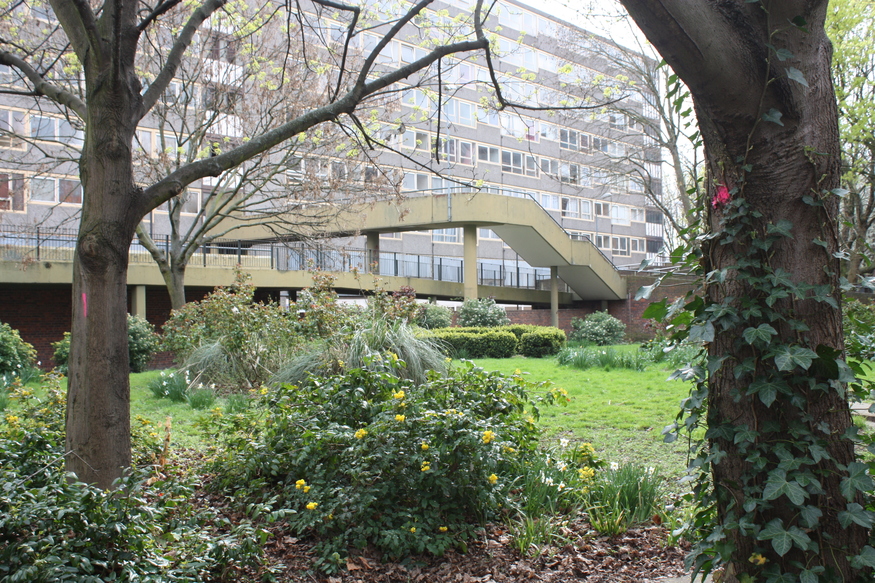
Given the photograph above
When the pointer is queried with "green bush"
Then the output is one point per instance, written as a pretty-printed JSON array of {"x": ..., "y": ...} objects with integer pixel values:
[
  {"x": 173, "y": 386},
  {"x": 859, "y": 324},
  {"x": 433, "y": 316},
  {"x": 15, "y": 353},
  {"x": 482, "y": 312},
  {"x": 142, "y": 345},
  {"x": 477, "y": 342},
  {"x": 370, "y": 459},
  {"x": 545, "y": 341},
  {"x": 228, "y": 340},
  {"x": 598, "y": 328},
  {"x": 55, "y": 529}
]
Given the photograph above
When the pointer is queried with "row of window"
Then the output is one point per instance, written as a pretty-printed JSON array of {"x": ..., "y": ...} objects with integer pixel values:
[{"x": 14, "y": 124}]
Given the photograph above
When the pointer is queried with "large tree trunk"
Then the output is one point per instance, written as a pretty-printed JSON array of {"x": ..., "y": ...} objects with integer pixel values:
[
  {"x": 98, "y": 401},
  {"x": 776, "y": 174}
]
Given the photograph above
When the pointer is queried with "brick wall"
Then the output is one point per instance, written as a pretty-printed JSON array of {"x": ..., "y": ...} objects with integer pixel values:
[{"x": 40, "y": 314}]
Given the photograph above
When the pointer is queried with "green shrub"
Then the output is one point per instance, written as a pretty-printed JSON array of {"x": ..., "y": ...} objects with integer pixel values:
[
  {"x": 624, "y": 496},
  {"x": 173, "y": 386},
  {"x": 607, "y": 358},
  {"x": 201, "y": 398},
  {"x": 142, "y": 345},
  {"x": 482, "y": 312},
  {"x": 477, "y": 342},
  {"x": 228, "y": 340},
  {"x": 433, "y": 316},
  {"x": 542, "y": 342},
  {"x": 599, "y": 328},
  {"x": 55, "y": 529},
  {"x": 859, "y": 325},
  {"x": 15, "y": 354},
  {"x": 370, "y": 459}
]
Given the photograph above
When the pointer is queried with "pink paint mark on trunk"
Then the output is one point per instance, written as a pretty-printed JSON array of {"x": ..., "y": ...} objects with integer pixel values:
[{"x": 84, "y": 305}]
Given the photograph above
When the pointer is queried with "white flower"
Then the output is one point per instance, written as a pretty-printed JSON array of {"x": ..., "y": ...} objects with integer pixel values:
[
  {"x": 234, "y": 310},
  {"x": 39, "y": 363},
  {"x": 562, "y": 467},
  {"x": 18, "y": 365},
  {"x": 563, "y": 442},
  {"x": 615, "y": 466},
  {"x": 548, "y": 481}
]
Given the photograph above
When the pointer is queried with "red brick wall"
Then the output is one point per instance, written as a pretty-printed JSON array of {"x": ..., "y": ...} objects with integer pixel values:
[{"x": 40, "y": 314}]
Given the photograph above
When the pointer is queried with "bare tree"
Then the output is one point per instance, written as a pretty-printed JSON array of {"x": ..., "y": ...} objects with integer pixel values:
[{"x": 87, "y": 65}]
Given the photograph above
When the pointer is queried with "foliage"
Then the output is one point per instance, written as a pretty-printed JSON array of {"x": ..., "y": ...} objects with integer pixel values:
[
  {"x": 201, "y": 398},
  {"x": 674, "y": 355},
  {"x": 433, "y": 316},
  {"x": 543, "y": 342},
  {"x": 368, "y": 458},
  {"x": 173, "y": 386},
  {"x": 482, "y": 312},
  {"x": 228, "y": 340},
  {"x": 346, "y": 350},
  {"x": 319, "y": 314},
  {"x": 142, "y": 345},
  {"x": 607, "y": 358},
  {"x": 859, "y": 326},
  {"x": 599, "y": 328},
  {"x": 398, "y": 305},
  {"x": 56, "y": 529},
  {"x": 15, "y": 353},
  {"x": 620, "y": 497},
  {"x": 477, "y": 342}
]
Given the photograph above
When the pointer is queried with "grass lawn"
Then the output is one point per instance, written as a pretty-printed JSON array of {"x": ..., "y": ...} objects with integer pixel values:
[{"x": 621, "y": 412}]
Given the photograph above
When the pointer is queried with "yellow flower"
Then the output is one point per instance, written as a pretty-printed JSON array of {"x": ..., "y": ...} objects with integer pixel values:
[
  {"x": 11, "y": 419},
  {"x": 312, "y": 505},
  {"x": 448, "y": 360},
  {"x": 517, "y": 371},
  {"x": 424, "y": 446},
  {"x": 398, "y": 395},
  {"x": 492, "y": 478},
  {"x": 586, "y": 473},
  {"x": 360, "y": 433},
  {"x": 412, "y": 529},
  {"x": 306, "y": 489},
  {"x": 425, "y": 466},
  {"x": 400, "y": 418},
  {"x": 757, "y": 559},
  {"x": 488, "y": 436},
  {"x": 300, "y": 484},
  {"x": 331, "y": 516},
  {"x": 263, "y": 390},
  {"x": 442, "y": 528}
]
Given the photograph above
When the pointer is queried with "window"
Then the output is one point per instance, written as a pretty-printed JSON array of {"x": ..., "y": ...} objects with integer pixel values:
[
  {"x": 415, "y": 140},
  {"x": 579, "y": 236},
  {"x": 445, "y": 235},
  {"x": 620, "y": 245},
  {"x": 410, "y": 54},
  {"x": 338, "y": 170},
  {"x": 487, "y": 154},
  {"x": 11, "y": 192},
  {"x": 191, "y": 201},
  {"x": 42, "y": 128},
  {"x": 603, "y": 241},
  {"x": 654, "y": 217},
  {"x": 620, "y": 215},
  {"x": 568, "y": 139},
  {"x": 221, "y": 47},
  {"x": 371, "y": 174},
  {"x": 518, "y": 163},
  {"x": 600, "y": 144},
  {"x": 390, "y": 235},
  {"x": 636, "y": 245},
  {"x": 550, "y": 202},
  {"x": 11, "y": 128},
  {"x": 571, "y": 207},
  {"x": 569, "y": 173},
  {"x": 602, "y": 209},
  {"x": 488, "y": 234},
  {"x": 617, "y": 121},
  {"x": 585, "y": 210},
  {"x": 637, "y": 215},
  {"x": 221, "y": 98},
  {"x": 143, "y": 141},
  {"x": 549, "y": 131},
  {"x": 466, "y": 153},
  {"x": 654, "y": 245},
  {"x": 44, "y": 189}
]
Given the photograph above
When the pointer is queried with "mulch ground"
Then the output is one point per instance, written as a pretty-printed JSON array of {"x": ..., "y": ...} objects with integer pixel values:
[{"x": 638, "y": 556}]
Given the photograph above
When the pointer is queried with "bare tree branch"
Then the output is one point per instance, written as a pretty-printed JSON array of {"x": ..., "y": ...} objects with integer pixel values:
[{"x": 42, "y": 87}]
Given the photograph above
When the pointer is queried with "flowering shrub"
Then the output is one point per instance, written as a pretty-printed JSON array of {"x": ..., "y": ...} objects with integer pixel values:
[
  {"x": 318, "y": 313},
  {"x": 56, "y": 529},
  {"x": 142, "y": 345},
  {"x": 15, "y": 353},
  {"x": 598, "y": 328},
  {"x": 368, "y": 458},
  {"x": 482, "y": 312},
  {"x": 859, "y": 326}
]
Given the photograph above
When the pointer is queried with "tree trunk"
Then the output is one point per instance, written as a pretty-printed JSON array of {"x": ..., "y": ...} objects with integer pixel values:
[
  {"x": 772, "y": 150},
  {"x": 98, "y": 400},
  {"x": 174, "y": 278}
]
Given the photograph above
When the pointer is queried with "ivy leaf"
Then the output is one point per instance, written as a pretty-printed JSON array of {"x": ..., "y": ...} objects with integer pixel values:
[
  {"x": 702, "y": 333},
  {"x": 796, "y": 75},
  {"x": 865, "y": 559},
  {"x": 767, "y": 390},
  {"x": 777, "y": 486},
  {"x": 782, "y": 542},
  {"x": 762, "y": 333},
  {"x": 855, "y": 513},
  {"x": 656, "y": 310},
  {"x": 774, "y": 116},
  {"x": 810, "y": 516},
  {"x": 818, "y": 452},
  {"x": 789, "y": 357},
  {"x": 782, "y": 227},
  {"x": 857, "y": 479},
  {"x": 807, "y": 576},
  {"x": 840, "y": 192},
  {"x": 783, "y": 54},
  {"x": 800, "y": 23}
]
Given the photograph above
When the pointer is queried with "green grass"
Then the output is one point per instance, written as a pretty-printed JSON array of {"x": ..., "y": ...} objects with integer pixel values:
[
  {"x": 621, "y": 412},
  {"x": 183, "y": 433}
]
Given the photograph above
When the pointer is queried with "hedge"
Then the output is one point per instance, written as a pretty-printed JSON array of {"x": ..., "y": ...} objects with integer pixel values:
[{"x": 501, "y": 342}]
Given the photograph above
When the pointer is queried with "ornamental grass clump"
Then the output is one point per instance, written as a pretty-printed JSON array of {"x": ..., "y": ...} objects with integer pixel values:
[{"x": 369, "y": 458}]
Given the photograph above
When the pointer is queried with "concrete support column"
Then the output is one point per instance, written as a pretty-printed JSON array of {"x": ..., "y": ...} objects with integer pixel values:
[
  {"x": 554, "y": 297},
  {"x": 138, "y": 301},
  {"x": 469, "y": 239},
  {"x": 372, "y": 244}
]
